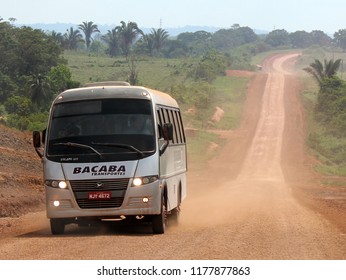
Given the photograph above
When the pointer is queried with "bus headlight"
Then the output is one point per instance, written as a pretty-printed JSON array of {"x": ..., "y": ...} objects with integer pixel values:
[
  {"x": 62, "y": 185},
  {"x": 56, "y": 184},
  {"x": 139, "y": 181}
]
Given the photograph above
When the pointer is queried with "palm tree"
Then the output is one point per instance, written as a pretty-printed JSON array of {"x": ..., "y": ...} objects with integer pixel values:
[
  {"x": 159, "y": 37},
  {"x": 88, "y": 28},
  {"x": 128, "y": 33},
  {"x": 148, "y": 40},
  {"x": 57, "y": 37},
  {"x": 112, "y": 40},
  {"x": 39, "y": 90},
  {"x": 323, "y": 71},
  {"x": 72, "y": 38}
]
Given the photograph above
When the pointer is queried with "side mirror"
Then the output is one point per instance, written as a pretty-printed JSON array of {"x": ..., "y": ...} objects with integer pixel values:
[
  {"x": 167, "y": 133},
  {"x": 36, "y": 139},
  {"x": 44, "y": 136}
]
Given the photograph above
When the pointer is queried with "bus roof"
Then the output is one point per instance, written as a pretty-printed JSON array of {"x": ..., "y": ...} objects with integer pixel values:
[
  {"x": 101, "y": 91},
  {"x": 107, "y": 83}
]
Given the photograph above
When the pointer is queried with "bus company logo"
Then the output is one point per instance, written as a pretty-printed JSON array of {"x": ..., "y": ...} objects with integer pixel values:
[{"x": 102, "y": 170}]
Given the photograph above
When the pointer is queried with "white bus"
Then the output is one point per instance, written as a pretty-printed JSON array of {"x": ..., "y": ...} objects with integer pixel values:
[{"x": 111, "y": 152}]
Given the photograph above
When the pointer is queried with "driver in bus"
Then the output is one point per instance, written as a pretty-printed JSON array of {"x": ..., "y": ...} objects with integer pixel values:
[
  {"x": 140, "y": 125},
  {"x": 70, "y": 131}
]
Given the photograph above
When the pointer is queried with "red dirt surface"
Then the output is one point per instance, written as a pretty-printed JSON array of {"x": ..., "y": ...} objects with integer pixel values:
[{"x": 21, "y": 189}]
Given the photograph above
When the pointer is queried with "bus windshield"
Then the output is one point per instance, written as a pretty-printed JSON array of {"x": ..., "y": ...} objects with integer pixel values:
[{"x": 106, "y": 129}]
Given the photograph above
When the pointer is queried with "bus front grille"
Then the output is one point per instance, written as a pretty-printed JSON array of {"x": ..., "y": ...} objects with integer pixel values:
[
  {"x": 115, "y": 187},
  {"x": 99, "y": 185},
  {"x": 92, "y": 204}
]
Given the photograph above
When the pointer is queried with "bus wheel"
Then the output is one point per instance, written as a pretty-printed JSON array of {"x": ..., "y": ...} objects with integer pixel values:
[
  {"x": 57, "y": 226},
  {"x": 159, "y": 221},
  {"x": 174, "y": 217}
]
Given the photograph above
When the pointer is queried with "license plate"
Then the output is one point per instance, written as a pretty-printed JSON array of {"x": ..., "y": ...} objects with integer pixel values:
[{"x": 99, "y": 195}]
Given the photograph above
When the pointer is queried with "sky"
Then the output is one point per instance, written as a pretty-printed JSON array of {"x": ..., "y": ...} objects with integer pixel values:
[{"x": 292, "y": 15}]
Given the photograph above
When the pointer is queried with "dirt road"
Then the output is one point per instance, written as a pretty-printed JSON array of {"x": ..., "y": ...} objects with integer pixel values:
[{"x": 250, "y": 203}]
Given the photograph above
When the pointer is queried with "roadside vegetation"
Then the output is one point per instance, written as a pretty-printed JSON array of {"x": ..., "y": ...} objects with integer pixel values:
[
  {"x": 325, "y": 100},
  {"x": 37, "y": 65}
]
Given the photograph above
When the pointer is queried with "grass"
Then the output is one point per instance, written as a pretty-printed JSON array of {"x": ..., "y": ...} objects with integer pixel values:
[
  {"x": 157, "y": 73},
  {"x": 228, "y": 93},
  {"x": 330, "y": 151},
  {"x": 199, "y": 147}
]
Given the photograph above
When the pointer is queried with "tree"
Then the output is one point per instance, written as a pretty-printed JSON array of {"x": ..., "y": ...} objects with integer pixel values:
[
  {"x": 60, "y": 79},
  {"x": 19, "y": 105},
  {"x": 57, "y": 38},
  {"x": 246, "y": 35},
  {"x": 33, "y": 52},
  {"x": 88, "y": 28},
  {"x": 331, "y": 99},
  {"x": 72, "y": 38},
  {"x": 128, "y": 34},
  {"x": 320, "y": 38},
  {"x": 24, "y": 53},
  {"x": 212, "y": 64},
  {"x": 226, "y": 39},
  {"x": 331, "y": 90},
  {"x": 133, "y": 74},
  {"x": 300, "y": 39},
  {"x": 197, "y": 42},
  {"x": 8, "y": 45},
  {"x": 39, "y": 91},
  {"x": 175, "y": 48},
  {"x": 27, "y": 56},
  {"x": 153, "y": 41},
  {"x": 159, "y": 36},
  {"x": 323, "y": 71},
  {"x": 148, "y": 40},
  {"x": 7, "y": 86},
  {"x": 278, "y": 37},
  {"x": 340, "y": 39},
  {"x": 112, "y": 40}
]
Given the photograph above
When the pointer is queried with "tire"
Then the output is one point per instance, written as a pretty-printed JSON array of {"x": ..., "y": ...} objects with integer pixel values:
[
  {"x": 159, "y": 221},
  {"x": 57, "y": 226},
  {"x": 174, "y": 217}
]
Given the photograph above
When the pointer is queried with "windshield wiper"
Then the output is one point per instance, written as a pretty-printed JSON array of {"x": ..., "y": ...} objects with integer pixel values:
[
  {"x": 124, "y": 146},
  {"x": 71, "y": 144}
]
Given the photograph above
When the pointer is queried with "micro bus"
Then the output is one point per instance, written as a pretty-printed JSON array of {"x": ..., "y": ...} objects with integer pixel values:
[{"x": 113, "y": 152}]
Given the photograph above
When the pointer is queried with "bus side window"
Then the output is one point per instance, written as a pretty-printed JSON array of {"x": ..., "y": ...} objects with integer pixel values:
[
  {"x": 176, "y": 127},
  {"x": 160, "y": 122},
  {"x": 165, "y": 116},
  {"x": 173, "y": 117},
  {"x": 181, "y": 127},
  {"x": 171, "y": 120}
]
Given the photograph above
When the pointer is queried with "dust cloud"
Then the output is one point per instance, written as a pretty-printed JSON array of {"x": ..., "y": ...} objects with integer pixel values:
[{"x": 248, "y": 174}]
